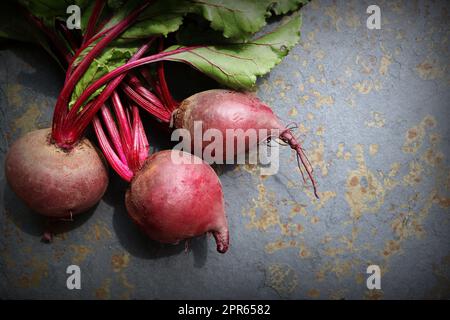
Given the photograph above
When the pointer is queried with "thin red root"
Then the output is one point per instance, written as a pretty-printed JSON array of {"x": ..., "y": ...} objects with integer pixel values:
[
  {"x": 222, "y": 240},
  {"x": 47, "y": 237},
  {"x": 289, "y": 138}
]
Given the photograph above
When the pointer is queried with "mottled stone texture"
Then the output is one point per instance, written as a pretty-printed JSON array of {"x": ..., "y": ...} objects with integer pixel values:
[{"x": 373, "y": 111}]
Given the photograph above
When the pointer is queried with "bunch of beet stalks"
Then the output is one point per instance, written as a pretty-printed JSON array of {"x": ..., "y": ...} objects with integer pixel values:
[{"x": 59, "y": 173}]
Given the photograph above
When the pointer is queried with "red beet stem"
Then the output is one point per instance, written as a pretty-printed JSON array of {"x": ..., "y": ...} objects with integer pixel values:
[
  {"x": 60, "y": 116},
  {"x": 122, "y": 119},
  {"x": 166, "y": 95},
  {"x": 125, "y": 68},
  {"x": 109, "y": 153},
  {"x": 159, "y": 112},
  {"x": 93, "y": 20},
  {"x": 113, "y": 133},
  {"x": 61, "y": 52},
  {"x": 82, "y": 120},
  {"x": 68, "y": 36},
  {"x": 137, "y": 86}
]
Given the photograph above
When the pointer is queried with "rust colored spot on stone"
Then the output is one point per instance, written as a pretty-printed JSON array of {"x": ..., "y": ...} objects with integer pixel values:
[
  {"x": 313, "y": 293},
  {"x": 354, "y": 181},
  {"x": 412, "y": 134},
  {"x": 104, "y": 291},
  {"x": 120, "y": 261}
]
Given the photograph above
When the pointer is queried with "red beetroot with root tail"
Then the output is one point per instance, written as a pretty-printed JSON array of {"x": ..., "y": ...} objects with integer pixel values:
[
  {"x": 225, "y": 109},
  {"x": 173, "y": 195},
  {"x": 171, "y": 202}
]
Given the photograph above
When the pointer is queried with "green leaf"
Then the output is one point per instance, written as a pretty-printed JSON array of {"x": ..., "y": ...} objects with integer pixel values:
[
  {"x": 284, "y": 6},
  {"x": 237, "y": 65},
  {"x": 239, "y": 19},
  {"x": 159, "y": 18},
  {"x": 85, "y": 14},
  {"x": 110, "y": 59},
  {"x": 234, "y": 19}
]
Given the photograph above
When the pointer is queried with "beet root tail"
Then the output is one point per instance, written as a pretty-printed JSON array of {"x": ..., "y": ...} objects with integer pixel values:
[
  {"x": 289, "y": 138},
  {"x": 222, "y": 240}
]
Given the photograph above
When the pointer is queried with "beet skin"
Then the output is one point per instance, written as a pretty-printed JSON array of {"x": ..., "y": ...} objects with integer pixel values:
[
  {"x": 225, "y": 109},
  {"x": 173, "y": 201},
  {"x": 54, "y": 182}
]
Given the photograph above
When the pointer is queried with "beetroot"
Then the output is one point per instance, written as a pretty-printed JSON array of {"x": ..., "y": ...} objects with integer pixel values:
[
  {"x": 225, "y": 109},
  {"x": 54, "y": 182},
  {"x": 173, "y": 195},
  {"x": 173, "y": 201}
]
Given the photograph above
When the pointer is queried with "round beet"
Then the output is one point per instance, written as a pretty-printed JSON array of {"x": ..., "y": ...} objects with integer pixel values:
[
  {"x": 54, "y": 182},
  {"x": 173, "y": 201},
  {"x": 224, "y": 110}
]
